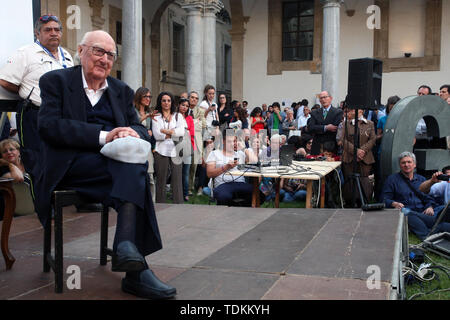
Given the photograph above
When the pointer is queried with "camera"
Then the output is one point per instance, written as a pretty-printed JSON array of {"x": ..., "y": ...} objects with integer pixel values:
[
  {"x": 215, "y": 123},
  {"x": 443, "y": 177}
]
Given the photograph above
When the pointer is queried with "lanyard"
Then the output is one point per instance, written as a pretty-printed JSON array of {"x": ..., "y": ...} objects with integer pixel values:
[{"x": 51, "y": 54}]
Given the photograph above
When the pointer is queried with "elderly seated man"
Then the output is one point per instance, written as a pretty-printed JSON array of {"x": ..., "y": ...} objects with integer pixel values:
[
  {"x": 82, "y": 110},
  {"x": 401, "y": 191}
]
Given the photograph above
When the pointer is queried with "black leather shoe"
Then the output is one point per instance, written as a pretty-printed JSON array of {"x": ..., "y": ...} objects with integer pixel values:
[
  {"x": 127, "y": 258},
  {"x": 148, "y": 286}
]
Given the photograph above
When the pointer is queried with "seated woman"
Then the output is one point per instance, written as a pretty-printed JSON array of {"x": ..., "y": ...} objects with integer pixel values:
[
  {"x": 11, "y": 167},
  {"x": 253, "y": 152},
  {"x": 238, "y": 121},
  {"x": 306, "y": 143},
  {"x": 10, "y": 164},
  {"x": 219, "y": 164},
  {"x": 294, "y": 190}
]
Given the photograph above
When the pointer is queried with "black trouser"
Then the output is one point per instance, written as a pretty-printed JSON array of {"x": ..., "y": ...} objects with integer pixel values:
[{"x": 114, "y": 183}]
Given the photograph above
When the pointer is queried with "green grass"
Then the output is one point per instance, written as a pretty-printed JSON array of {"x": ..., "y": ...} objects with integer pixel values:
[
  {"x": 442, "y": 282},
  {"x": 203, "y": 200}
]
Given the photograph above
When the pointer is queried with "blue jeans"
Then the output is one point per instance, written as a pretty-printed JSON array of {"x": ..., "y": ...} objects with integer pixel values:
[
  {"x": 420, "y": 224},
  {"x": 185, "y": 176},
  {"x": 299, "y": 195},
  {"x": 224, "y": 193}
]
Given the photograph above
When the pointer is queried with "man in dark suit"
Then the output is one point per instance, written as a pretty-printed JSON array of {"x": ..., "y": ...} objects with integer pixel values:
[
  {"x": 82, "y": 110},
  {"x": 323, "y": 123}
]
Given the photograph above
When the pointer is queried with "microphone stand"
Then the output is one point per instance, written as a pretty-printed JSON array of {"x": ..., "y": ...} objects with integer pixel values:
[{"x": 356, "y": 177}]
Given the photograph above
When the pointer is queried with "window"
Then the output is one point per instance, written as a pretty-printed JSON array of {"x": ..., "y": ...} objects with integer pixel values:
[
  {"x": 227, "y": 64},
  {"x": 298, "y": 30},
  {"x": 178, "y": 48},
  {"x": 119, "y": 32}
]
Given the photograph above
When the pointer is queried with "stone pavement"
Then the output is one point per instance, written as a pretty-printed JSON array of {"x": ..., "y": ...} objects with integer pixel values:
[{"x": 221, "y": 253}]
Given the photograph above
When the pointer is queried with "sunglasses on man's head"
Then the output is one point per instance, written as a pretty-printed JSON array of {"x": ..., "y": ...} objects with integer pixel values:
[{"x": 46, "y": 18}]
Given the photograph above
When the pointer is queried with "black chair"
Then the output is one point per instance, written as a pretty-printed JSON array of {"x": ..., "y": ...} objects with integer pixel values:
[
  {"x": 61, "y": 199},
  {"x": 26, "y": 119}
]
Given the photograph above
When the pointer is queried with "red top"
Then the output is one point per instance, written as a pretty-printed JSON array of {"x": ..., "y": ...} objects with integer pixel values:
[
  {"x": 257, "y": 126},
  {"x": 191, "y": 128},
  {"x": 321, "y": 156}
]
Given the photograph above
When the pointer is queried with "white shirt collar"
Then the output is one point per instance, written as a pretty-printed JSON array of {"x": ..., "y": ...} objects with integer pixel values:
[
  {"x": 360, "y": 119},
  {"x": 85, "y": 85}
]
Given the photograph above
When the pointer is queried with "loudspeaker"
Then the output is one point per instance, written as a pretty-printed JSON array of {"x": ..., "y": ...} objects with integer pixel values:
[{"x": 364, "y": 83}]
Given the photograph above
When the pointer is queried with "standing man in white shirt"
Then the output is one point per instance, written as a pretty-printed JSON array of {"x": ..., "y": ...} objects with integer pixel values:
[
  {"x": 23, "y": 70},
  {"x": 21, "y": 75}
]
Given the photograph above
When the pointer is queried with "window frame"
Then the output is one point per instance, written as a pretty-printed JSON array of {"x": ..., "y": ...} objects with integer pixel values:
[{"x": 275, "y": 63}]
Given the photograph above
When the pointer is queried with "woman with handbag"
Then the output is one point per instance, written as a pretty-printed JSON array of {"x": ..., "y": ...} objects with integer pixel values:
[
  {"x": 188, "y": 145},
  {"x": 168, "y": 126}
]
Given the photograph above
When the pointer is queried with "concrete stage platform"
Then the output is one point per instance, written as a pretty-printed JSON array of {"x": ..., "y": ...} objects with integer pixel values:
[{"x": 222, "y": 253}]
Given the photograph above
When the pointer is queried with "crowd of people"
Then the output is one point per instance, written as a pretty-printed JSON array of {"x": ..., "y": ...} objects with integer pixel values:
[{"x": 195, "y": 144}]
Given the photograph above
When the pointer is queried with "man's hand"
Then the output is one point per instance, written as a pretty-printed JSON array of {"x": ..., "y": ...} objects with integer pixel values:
[
  {"x": 361, "y": 154},
  {"x": 330, "y": 127},
  {"x": 231, "y": 165},
  {"x": 398, "y": 205},
  {"x": 429, "y": 211},
  {"x": 121, "y": 132},
  {"x": 434, "y": 178}
]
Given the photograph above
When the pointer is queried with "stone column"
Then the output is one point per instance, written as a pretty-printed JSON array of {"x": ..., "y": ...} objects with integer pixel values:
[
  {"x": 194, "y": 50},
  {"x": 209, "y": 40},
  {"x": 96, "y": 18},
  {"x": 330, "y": 53},
  {"x": 132, "y": 43}
]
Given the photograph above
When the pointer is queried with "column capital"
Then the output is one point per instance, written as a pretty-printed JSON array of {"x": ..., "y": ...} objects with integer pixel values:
[
  {"x": 331, "y": 3},
  {"x": 97, "y": 20},
  {"x": 213, "y": 6}
]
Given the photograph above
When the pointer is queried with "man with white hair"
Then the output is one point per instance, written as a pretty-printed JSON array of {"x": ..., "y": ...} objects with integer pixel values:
[
  {"x": 401, "y": 191},
  {"x": 82, "y": 110}
]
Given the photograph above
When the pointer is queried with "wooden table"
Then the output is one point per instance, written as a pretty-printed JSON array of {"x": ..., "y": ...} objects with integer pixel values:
[
  {"x": 305, "y": 170},
  {"x": 6, "y": 187}
]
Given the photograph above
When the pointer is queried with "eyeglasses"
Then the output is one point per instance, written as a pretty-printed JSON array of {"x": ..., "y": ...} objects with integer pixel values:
[
  {"x": 46, "y": 18},
  {"x": 99, "y": 52},
  {"x": 48, "y": 29},
  {"x": 147, "y": 97},
  {"x": 9, "y": 150}
]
